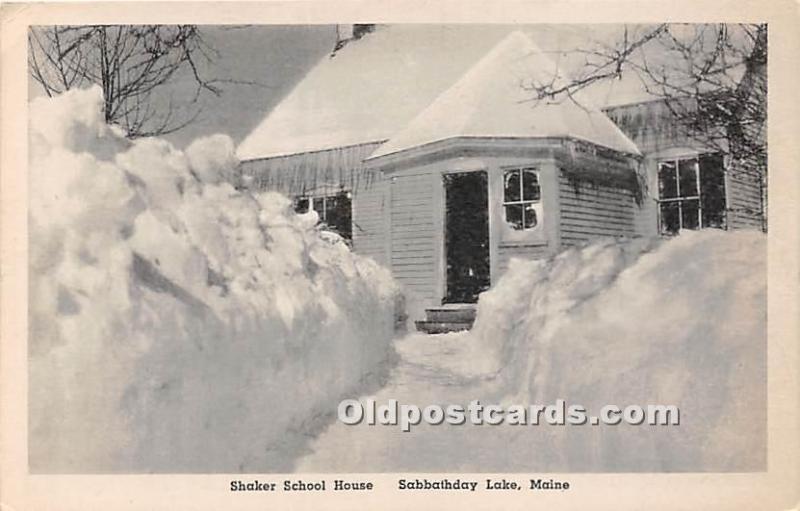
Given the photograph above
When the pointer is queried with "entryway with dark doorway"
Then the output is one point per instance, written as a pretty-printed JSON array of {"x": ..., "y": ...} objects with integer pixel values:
[{"x": 466, "y": 236}]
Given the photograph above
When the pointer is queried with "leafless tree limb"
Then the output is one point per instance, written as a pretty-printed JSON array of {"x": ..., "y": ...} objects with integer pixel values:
[
  {"x": 711, "y": 78},
  {"x": 130, "y": 63}
]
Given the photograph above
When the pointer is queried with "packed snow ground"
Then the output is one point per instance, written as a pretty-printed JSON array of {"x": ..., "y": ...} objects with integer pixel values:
[
  {"x": 176, "y": 324},
  {"x": 680, "y": 322}
]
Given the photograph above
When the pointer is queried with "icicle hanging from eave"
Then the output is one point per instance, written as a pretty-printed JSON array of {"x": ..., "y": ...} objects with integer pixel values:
[
  {"x": 337, "y": 168},
  {"x": 587, "y": 163},
  {"x": 650, "y": 124}
]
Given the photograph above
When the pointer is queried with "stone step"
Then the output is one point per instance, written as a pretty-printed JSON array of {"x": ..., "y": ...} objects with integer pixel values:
[
  {"x": 450, "y": 314},
  {"x": 442, "y": 327}
]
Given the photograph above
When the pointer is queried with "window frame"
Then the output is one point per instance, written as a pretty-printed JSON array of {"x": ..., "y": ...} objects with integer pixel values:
[
  {"x": 522, "y": 202},
  {"x": 680, "y": 199},
  {"x": 325, "y": 196}
]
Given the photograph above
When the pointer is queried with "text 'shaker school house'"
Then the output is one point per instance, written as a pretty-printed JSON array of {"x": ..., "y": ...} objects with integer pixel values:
[{"x": 423, "y": 148}]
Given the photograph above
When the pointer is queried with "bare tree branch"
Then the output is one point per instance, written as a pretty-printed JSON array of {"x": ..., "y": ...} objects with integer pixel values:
[
  {"x": 129, "y": 62},
  {"x": 711, "y": 79}
]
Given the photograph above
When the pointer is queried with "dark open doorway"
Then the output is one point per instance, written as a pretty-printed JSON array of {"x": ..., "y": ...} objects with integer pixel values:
[{"x": 466, "y": 236}]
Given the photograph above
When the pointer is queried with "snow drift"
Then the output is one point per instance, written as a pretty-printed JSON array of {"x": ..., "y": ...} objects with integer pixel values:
[
  {"x": 679, "y": 322},
  {"x": 177, "y": 324},
  {"x": 675, "y": 322}
]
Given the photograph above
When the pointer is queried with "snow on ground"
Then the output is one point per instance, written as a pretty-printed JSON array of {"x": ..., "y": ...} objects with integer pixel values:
[
  {"x": 176, "y": 324},
  {"x": 679, "y": 322}
]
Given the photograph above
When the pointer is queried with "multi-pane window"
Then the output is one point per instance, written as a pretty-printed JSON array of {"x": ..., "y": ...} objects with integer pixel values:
[
  {"x": 691, "y": 193},
  {"x": 522, "y": 197},
  {"x": 335, "y": 211}
]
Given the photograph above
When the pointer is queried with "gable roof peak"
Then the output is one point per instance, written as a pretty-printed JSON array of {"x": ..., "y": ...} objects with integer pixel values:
[{"x": 495, "y": 98}]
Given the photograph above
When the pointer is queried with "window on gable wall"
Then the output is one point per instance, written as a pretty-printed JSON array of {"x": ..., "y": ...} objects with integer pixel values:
[
  {"x": 691, "y": 193},
  {"x": 522, "y": 197},
  {"x": 334, "y": 211}
]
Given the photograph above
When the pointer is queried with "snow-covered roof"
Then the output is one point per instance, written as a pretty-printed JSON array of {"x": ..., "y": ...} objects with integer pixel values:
[
  {"x": 371, "y": 89},
  {"x": 494, "y": 99}
]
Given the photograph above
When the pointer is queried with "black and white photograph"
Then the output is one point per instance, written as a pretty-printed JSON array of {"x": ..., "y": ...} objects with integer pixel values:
[{"x": 440, "y": 251}]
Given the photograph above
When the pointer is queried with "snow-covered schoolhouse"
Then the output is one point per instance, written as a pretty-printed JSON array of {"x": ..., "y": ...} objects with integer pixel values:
[{"x": 422, "y": 147}]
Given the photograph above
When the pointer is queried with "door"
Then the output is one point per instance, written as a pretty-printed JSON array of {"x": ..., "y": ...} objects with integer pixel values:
[{"x": 466, "y": 236}]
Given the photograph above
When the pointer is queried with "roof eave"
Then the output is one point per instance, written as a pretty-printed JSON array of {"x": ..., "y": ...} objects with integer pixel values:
[{"x": 444, "y": 146}]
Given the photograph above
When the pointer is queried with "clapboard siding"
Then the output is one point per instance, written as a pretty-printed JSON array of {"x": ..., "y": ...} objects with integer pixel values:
[
  {"x": 591, "y": 211},
  {"x": 410, "y": 227},
  {"x": 413, "y": 240},
  {"x": 506, "y": 252},
  {"x": 369, "y": 230},
  {"x": 744, "y": 197}
]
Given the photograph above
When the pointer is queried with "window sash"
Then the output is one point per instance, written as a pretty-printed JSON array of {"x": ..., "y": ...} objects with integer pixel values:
[
  {"x": 323, "y": 215},
  {"x": 520, "y": 171},
  {"x": 309, "y": 203},
  {"x": 676, "y": 163},
  {"x": 529, "y": 216},
  {"x": 681, "y": 208},
  {"x": 330, "y": 211},
  {"x": 680, "y": 199},
  {"x": 695, "y": 200}
]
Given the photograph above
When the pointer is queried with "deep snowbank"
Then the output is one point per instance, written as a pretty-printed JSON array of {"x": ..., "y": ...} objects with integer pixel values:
[
  {"x": 678, "y": 322},
  {"x": 175, "y": 323}
]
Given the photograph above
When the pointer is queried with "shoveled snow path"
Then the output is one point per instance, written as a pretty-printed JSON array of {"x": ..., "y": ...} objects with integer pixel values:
[
  {"x": 433, "y": 369},
  {"x": 679, "y": 322}
]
